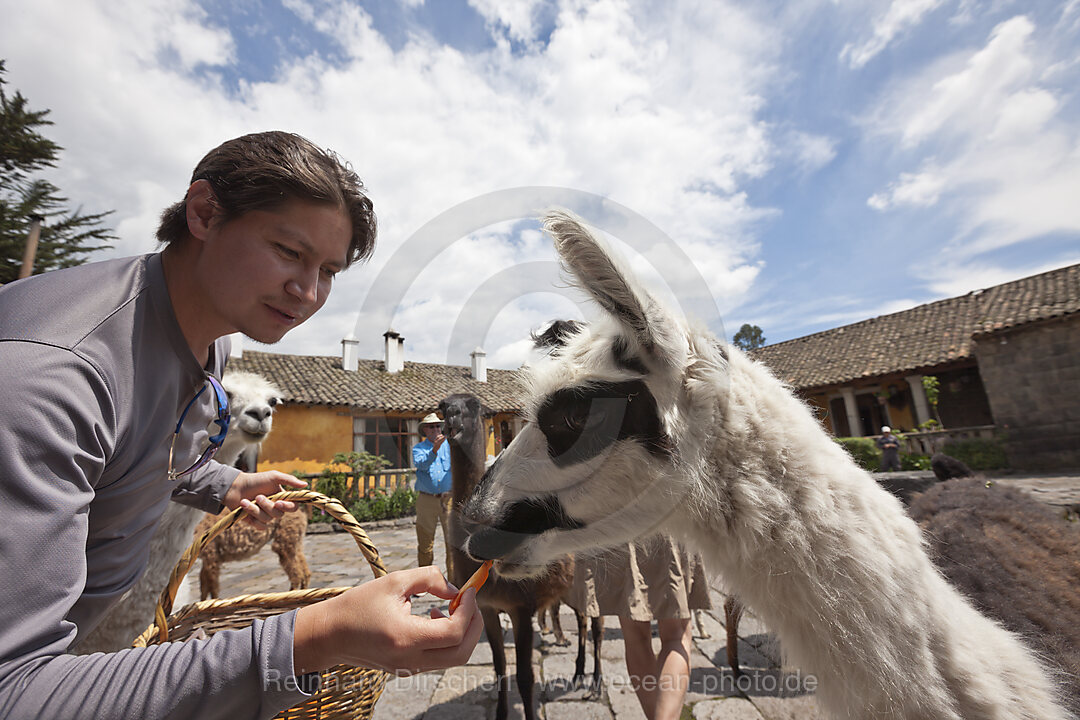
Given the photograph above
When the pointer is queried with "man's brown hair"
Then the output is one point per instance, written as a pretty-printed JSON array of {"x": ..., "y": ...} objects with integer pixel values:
[{"x": 264, "y": 170}]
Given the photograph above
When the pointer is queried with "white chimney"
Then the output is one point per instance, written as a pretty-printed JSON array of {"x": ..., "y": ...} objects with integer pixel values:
[
  {"x": 479, "y": 364},
  {"x": 350, "y": 353},
  {"x": 236, "y": 349},
  {"x": 394, "y": 357}
]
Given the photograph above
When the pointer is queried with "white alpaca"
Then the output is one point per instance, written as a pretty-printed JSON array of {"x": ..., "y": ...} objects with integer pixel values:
[
  {"x": 252, "y": 400},
  {"x": 641, "y": 422}
]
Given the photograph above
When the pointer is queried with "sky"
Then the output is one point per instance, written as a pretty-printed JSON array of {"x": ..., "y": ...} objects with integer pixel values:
[{"x": 795, "y": 165}]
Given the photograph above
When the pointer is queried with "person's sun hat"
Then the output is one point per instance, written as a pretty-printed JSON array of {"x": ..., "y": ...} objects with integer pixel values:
[{"x": 431, "y": 419}]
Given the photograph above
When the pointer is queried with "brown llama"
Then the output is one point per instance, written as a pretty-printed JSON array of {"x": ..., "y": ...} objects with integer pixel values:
[
  {"x": 1016, "y": 559},
  {"x": 464, "y": 429},
  {"x": 244, "y": 539}
]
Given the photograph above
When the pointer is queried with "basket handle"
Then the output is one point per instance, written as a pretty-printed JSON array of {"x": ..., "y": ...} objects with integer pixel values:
[{"x": 329, "y": 505}]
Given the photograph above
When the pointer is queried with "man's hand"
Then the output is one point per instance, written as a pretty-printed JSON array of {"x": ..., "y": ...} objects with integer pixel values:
[
  {"x": 372, "y": 625},
  {"x": 249, "y": 491}
]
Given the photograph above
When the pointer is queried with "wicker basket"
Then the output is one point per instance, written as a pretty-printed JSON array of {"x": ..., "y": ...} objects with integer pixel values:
[{"x": 348, "y": 692}]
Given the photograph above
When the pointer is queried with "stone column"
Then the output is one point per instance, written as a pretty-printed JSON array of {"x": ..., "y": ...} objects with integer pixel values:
[
  {"x": 852, "y": 411},
  {"x": 918, "y": 394}
]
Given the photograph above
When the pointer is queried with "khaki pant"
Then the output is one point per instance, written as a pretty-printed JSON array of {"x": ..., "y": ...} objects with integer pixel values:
[{"x": 431, "y": 511}]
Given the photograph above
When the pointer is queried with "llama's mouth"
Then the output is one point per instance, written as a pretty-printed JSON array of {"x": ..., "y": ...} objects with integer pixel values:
[
  {"x": 524, "y": 521},
  {"x": 256, "y": 436},
  {"x": 517, "y": 571}
]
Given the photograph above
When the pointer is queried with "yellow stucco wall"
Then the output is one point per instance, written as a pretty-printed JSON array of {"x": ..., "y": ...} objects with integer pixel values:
[
  {"x": 902, "y": 418},
  {"x": 305, "y": 438}
]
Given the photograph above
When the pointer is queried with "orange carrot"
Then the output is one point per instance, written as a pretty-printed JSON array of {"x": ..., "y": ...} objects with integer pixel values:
[{"x": 476, "y": 581}]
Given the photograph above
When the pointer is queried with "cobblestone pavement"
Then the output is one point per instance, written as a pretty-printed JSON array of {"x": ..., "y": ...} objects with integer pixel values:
[{"x": 766, "y": 690}]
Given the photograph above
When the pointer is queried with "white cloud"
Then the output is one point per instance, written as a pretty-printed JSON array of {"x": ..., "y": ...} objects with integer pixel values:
[
  {"x": 996, "y": 152},
  {"x": 969, "y": 100},
  {"x": 518, "y": 17},
  {"x": 811, "y": 152},
  {"x": 962, "y": 279},
  {"x": 901, "y": 16},
  {"x": 653, "y": 106},
  {"x": 913, "y": 190},
  {"x": 836, "y": 319}
]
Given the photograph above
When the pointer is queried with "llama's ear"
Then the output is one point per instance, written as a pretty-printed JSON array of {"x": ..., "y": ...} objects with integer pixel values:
[{"x": 598, "y": 271}]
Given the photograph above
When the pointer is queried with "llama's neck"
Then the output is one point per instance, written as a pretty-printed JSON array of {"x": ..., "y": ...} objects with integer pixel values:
[
  {"x": 831, "y": 561},
  {"x": 467, "y": 458}
]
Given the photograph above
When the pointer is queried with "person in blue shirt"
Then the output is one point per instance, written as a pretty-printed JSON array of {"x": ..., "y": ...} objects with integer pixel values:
[{"x": 431, "y": 457}]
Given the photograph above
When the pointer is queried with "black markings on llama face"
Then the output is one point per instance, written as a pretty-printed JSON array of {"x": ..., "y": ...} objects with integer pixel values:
[
  {"x": 580, "y": 423},
  {"x": 523, "y": 520}
]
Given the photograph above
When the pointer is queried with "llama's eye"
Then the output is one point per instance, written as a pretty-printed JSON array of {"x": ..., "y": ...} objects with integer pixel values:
[{"x": 577, "y": 418}]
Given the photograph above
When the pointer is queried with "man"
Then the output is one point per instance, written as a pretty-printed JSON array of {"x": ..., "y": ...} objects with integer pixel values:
[
  {"x": 431, "y": 457},
  {"x": 890, "y": 449},
  {"x": 97, "y": 365}
]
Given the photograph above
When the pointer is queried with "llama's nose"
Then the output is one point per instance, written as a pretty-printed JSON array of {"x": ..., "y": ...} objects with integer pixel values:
[
  {"x": 523, "y": 520},
  {"x": 259, "y": 414},
  {"x": 493, "y": 543}
]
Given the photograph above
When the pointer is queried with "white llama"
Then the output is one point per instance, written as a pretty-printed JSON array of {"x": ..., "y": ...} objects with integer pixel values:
[
  {"x": 252, "y": 400},
  {"x": 642, "y": 422}
]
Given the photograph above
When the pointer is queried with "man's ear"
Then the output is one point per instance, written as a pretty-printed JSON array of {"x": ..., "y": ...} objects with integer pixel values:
[{"x": 201, "y": 208}]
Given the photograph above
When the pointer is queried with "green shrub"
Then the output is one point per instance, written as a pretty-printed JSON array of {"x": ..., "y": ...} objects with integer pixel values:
[
  {"x": 911, "y": 461},
  {"x": 382, "y": 505},
  {"x": 978, "y": 453},
  {"x": 863, "y": 451},
  {"x": 402, "y": 502}
]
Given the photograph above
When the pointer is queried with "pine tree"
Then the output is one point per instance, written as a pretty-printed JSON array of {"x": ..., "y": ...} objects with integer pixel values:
[
  {"x": 749, "y": 337},
  {"x": 67, "y": 236}
]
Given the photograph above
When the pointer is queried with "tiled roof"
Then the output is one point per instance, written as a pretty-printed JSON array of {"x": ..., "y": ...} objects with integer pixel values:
[
  {"x": 922, "y": 337},
  {"x": 320, "y": 380},
  {"x": 1039, "y": 297}
]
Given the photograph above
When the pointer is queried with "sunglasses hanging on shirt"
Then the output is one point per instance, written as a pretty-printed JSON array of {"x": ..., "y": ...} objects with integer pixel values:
[{"x": 221, "y": 420}]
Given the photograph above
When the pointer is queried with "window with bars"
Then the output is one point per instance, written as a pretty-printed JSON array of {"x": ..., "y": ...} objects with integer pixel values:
[{"x": 386, "y": 436}]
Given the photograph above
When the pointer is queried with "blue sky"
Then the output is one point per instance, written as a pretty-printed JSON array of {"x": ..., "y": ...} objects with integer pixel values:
[{"x": 818, "y": 162}]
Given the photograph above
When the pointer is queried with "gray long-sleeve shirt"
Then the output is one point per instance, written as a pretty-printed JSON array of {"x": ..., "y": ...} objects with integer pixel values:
[{"x": 94, "y": 373}]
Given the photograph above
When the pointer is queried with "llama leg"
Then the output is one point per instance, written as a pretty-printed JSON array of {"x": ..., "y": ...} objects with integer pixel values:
[
  {"x": 523, "y": 647},
  {"x": 733, "y": 611},
  {"x": 493, "y": 628},
  {"x": 579, "y": 664},
  {"x": 597, "y": 639},
  {"x": 209, "y": 575},
  {"x": 556, "y": 625},
  {"x": 290, "y": 554}
]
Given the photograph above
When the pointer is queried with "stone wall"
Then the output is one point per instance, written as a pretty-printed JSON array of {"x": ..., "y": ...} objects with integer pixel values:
[{"x": 1032, "y": 379}]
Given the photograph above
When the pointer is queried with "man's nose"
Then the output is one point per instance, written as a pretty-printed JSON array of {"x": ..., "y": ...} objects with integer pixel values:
[{"x": 305, "y": 286}]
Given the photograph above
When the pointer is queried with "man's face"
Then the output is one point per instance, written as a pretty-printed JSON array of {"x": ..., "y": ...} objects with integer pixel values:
[
  {"x": 431, "y": 431},
  {"x": 270, "y": 270}
]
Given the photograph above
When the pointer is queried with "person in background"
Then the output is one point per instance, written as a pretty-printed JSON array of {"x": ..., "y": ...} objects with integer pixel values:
[
  {"x": 431, "y": 458},
  {"x": 109, "y": 375},
  {"x": 890, "y": 449},
  {"x": 650, "y": 580}
]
